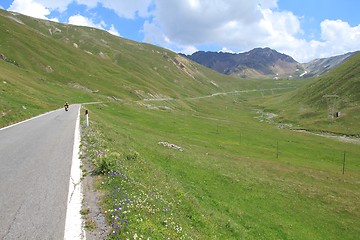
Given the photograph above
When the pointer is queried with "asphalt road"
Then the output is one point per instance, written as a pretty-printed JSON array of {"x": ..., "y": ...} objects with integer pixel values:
[{"x": 35, "y": 163}]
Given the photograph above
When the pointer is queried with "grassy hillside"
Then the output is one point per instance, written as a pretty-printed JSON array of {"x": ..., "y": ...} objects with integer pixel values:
[
  {"x": 344, "y": 81},
  {"x": 312, "y": 105}
]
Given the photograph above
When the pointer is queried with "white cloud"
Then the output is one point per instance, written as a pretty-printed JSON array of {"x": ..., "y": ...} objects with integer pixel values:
[
  {"x": 30, "y": 8},
  {"x": 338, "y": 37},
  {"x": 80, "y": 20},
  {"x": 113, "y": 30},
  {"x": 280, "y": 22},
  {"x": 232, "y": 24},
  {"x": 225, "y": 50},
  {"x": 194, "y": 21},
  {"x": 188, "y": 50},
  {"x": 340, "y": 32}
]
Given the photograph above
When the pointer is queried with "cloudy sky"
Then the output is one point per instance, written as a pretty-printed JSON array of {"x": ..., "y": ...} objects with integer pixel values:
[{"x": 303, "y": 29}]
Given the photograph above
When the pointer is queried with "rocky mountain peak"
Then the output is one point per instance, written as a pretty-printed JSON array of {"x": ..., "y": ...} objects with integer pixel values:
[
  {"x": 254, "y": 63},
  {"x": 265, "y": 63}
]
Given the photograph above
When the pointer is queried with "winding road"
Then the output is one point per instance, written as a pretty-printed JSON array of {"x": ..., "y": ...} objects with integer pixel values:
[{"x": 35, "y": 165}]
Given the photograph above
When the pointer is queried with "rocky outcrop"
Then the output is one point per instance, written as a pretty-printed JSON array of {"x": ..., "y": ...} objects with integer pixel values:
[
  {"x": 320, "y": 66},
  {"x": 4, "y": 58}
]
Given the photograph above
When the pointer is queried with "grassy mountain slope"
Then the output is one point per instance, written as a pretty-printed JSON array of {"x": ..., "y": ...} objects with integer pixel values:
[{"x": 312, "y": 106}]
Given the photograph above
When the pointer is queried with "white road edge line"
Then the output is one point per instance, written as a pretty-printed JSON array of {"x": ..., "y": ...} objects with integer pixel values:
[
  {"x": 28, "y": 119},
  {"x": 73, "y": 222}
]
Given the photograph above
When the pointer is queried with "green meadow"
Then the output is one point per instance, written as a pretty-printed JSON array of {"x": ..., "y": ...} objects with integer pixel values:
[{"x": 237, "y": 177}]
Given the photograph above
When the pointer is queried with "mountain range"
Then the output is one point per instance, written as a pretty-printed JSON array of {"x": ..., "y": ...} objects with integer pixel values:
[{"x": 265, "y": 63}]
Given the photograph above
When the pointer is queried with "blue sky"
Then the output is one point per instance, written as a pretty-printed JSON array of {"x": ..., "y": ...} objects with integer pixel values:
[{"x": 305, "y": 29}]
